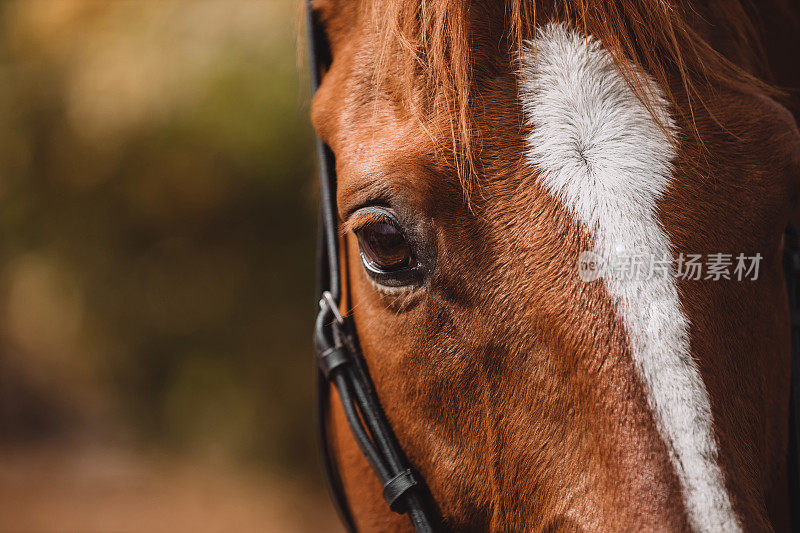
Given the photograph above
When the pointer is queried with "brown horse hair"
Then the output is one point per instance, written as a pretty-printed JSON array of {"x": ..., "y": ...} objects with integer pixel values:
[{"x": 656, "y": 35}]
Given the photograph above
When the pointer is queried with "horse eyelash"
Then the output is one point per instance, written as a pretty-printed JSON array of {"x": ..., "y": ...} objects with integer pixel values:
[{"x": 359, "y": 222}]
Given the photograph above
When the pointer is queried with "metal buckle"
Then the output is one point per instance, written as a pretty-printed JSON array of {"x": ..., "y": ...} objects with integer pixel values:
[{"x": 327, "y": 302}]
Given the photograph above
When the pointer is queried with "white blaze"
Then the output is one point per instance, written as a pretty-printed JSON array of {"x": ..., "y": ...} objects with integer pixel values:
[{"x": 599, "y": 151}]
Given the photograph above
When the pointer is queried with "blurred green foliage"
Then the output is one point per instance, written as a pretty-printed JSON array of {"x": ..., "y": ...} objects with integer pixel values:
[{"x": 157, "y": 223}]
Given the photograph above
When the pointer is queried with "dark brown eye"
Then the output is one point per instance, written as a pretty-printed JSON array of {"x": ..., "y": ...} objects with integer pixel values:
[{"x": 384, "y": 247}]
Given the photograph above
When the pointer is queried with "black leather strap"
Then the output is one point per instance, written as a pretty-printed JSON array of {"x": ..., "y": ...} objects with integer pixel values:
[{"x": 327, "y": 259}]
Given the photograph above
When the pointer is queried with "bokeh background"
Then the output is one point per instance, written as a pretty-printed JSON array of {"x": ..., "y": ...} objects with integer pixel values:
[{"x": 157, "y": 223}]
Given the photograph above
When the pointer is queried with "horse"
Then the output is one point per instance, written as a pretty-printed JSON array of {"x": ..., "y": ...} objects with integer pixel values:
[{"x": 560, "y": 229}]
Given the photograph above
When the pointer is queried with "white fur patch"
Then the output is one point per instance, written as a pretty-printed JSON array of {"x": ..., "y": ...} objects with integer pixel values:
[{"x": 600, "y": 152}]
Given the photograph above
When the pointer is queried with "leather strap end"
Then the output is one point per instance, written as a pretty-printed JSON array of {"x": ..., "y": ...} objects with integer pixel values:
[
  {"x": 331, "y": 359},
  {"x": 395, "y": 488}
]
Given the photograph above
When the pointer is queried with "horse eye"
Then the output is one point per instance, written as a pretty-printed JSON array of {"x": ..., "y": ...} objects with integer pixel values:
[{"x": 384, "y": 248}]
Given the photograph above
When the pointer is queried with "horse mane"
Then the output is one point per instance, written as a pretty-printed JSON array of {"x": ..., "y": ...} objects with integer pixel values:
[{"x": 660, "y": 36}]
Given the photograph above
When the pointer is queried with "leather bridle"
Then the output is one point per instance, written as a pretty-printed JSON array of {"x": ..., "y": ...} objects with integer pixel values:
[{"x": 340, "y": 362}]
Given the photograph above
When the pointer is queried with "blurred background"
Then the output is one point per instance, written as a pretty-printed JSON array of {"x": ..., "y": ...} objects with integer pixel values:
[{"x": 157, "y": 226}]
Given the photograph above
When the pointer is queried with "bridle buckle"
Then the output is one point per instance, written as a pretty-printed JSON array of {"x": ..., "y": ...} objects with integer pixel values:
[{"x": 327, "y": 302}]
